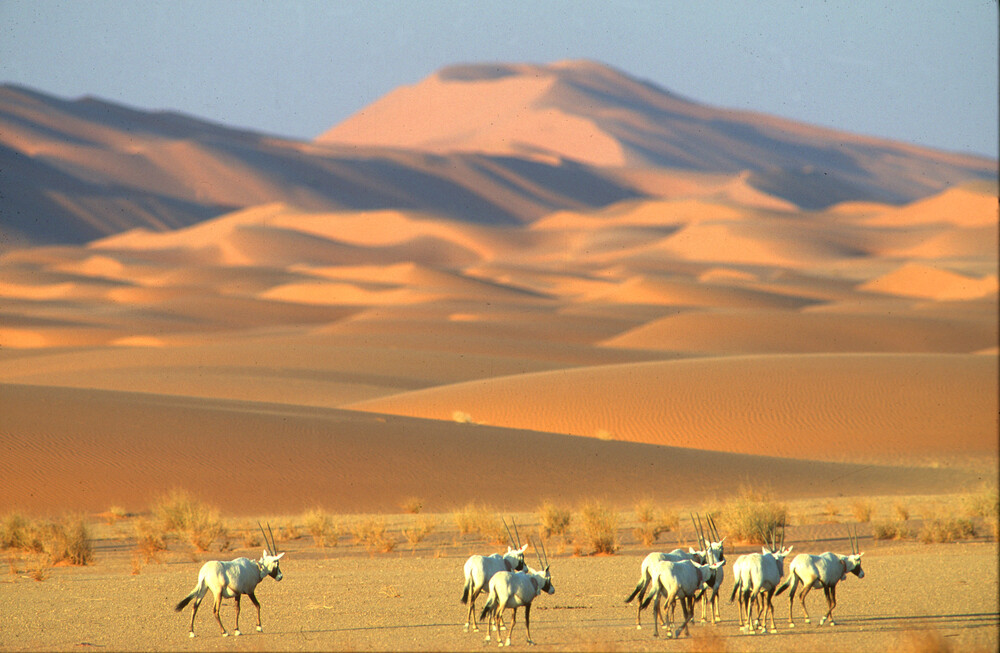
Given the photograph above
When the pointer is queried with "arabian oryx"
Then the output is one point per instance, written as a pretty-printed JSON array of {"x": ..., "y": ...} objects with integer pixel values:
[
  {"x": 710, "y": 552},
  {"x": 512, "y": 589},
  {"x": 678, "y": 581},
  {"x": 714, "y": 552},
  {"x": 234, "y": 579},
  {"x": 825, "y": 570},
  {"x": 480, "y": 569},
  {"x": 756, "y": 575}
]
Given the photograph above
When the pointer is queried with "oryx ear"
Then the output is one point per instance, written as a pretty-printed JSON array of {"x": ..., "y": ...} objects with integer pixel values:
[
  {"x": 765, "y": 550},
  {"x": 790, "y": 548},
  {"x": 524, "y": 548},
  {"x": 278, "y": 557},
  {"x": 265, "y": 554},
  {"x": 723, "y": 539},
  {"x": 861, "y": 554}
]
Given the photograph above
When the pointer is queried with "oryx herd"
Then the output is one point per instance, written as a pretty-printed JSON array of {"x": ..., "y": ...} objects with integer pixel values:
[{"x": 665, "y": 579}]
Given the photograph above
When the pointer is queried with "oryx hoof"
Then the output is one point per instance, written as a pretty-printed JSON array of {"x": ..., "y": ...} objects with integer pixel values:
[
  {"x": 791, "y": 625},
  {"x": 260, "y": 629},
  {"x": 225, "y": 634},
  {"x": 773, "y": 631},
  {"x": 808, "y": 621},
  {"x": 507, "y": 643},
  {"x": 191, "y": 634},
  {"x": 236, "y": 632},
  {"x": 638, "y": 627}
]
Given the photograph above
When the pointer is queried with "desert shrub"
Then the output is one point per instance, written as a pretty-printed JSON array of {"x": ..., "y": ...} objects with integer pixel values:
[
  {"x": 652, "y": 522},
  {"x": 600, "y": 526},
  {"x": 321, "y": 526},
  {"x": 150, "y": 539},
  {"x": 752, "y": 513},
  {"x": 114, "y": 514},
  {"x": 902, "y": 512},
  {"x": 947, "y": 529},
  {"x": 67, "y": 540},
  {"x": 831, "y": 509},
  {"x": 890, "y": 530},
  {"x": 862, "y": 510},
  {"x": 372, "y": 535},
  {"x": 416, "y": 532},
  {"x": 982, "y": 504},
  {"x": 553, "y": 519},
  {"x": 15, "y": 532},
  {"x": 412, "y": 505},
  {"x": 481, "y": 520},
  {"x": 289, "y": 531},
  {"x": 180, "y": 512}
]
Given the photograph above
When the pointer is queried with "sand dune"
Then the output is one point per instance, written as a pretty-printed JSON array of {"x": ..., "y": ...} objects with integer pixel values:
[
  {"x": 129, "y": 449},
  {"x": 622, "y": 284},
  {"x": 828, "y": 407}
]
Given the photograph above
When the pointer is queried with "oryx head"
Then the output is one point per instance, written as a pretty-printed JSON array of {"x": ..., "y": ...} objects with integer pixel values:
[
  {"x": 543, "y": 577},
  {"x": 775, "y": 540},
  {"x": 711, "y": 547},
  {"x": 852, "y": 563},
  {"x": 514, "y": 558},
  {"x": 270, "y": 557},
  {"x": 710, "y": 571}
]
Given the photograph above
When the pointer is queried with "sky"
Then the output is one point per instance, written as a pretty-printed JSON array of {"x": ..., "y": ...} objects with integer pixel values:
[{"x": 919, "y": 71}]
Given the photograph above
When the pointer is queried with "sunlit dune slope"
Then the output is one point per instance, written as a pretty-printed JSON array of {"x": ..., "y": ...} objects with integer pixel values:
[
  {"x": 826, "y": 407},
  {"x": 86, "y": 450}
]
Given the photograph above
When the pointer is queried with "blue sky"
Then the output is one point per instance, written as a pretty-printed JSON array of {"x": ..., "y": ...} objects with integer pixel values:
[{"x": 920, "y": 71}]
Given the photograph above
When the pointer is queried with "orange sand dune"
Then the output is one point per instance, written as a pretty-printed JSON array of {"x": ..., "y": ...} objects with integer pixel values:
[
  {"x": 916, "y": 280},
  {"x": 71, "y": 450},
  {"x": 827, "y": 407},
  {"x": 777, "y": 332}
]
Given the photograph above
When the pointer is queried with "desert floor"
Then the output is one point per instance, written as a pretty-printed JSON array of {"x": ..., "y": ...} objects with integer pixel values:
[{"x": 344, "y": 597}]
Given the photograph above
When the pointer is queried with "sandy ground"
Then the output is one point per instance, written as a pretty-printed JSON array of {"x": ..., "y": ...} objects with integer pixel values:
[{"x": 345, "y": 599}]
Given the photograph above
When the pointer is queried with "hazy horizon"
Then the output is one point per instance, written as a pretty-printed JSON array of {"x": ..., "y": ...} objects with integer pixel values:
[{"x": 924, "y": 74}]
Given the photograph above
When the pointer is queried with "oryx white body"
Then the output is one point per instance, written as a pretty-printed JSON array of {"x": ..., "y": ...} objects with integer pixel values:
[
  {"x": 478, "y": 572},
  {"x": 681, "y": 580},
  {"x": 758, "y": 575},
  {"x": 513, "y": 589},
  {"x": 231, "y": 580},
  {"x": 642, "y": 587},
  {"x": 819, "y": 571}
]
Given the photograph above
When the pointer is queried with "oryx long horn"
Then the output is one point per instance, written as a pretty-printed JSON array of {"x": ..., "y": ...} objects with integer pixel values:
[
  {"x": 516, "y": 534},
  {"x": 697, "y": 532},
  {"x": 544, "y": 553},
  {"x": 510, "y": 538},
  {"x": 274, "y": 545},
  {"x": 270, "y": 546},
  {"x": 712, "y": 528}
]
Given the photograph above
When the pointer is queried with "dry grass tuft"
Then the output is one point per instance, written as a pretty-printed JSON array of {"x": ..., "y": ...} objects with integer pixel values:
[
  {"x": 416, "y": 533},
  {"x": 372, "y": 535},
  {"x": 862, "y": 510},
  {"x": 553, "y": 520},
  {"x": 480, "y": 520},
  {"x": 412, "y": 505},
  {"x": 600, "y": 526},
  {"x": 752, "y": 513},
  {"x": 652, "y": 522},
  {"x": 890, "y": 530},
  {"x": 902, "y": 512},
  {"x": 180, "y": 512},
  {"x": 321, "y": 525},
  {"x": 947, "y": 529}
]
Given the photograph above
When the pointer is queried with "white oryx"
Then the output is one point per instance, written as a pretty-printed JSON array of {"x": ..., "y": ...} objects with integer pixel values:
[
  {"x": 825, "y": 570},
  {"x": 513, "y": 589},
  {"x": 710, "y": 552},
  {"x": 756, "y": 575},
  {"x": 714, "y": 553},
  {"x": 480, "y": 569},
  {"x": 234, "y": 579},
  {"x": 678, "y": 581}
]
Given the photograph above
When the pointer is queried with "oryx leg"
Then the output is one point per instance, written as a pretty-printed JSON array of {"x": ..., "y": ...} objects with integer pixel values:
[
  {"x": 831, "y": 602},
  {"x": 769, "y": 609},
  {"x": 791, "y": 602},
  {"x": 656, "y": 614},
  {"x": 471, "y": 618},
  {"x": 197, "y": 602},
  {"x": 714, "y": 603},
  {"x": 510, "y": 631},
  {"x": 687, "y": 608},
  {"x": 256, "y": 604},
  {"x": 802, "y": 600},
  {"x": 216, "y": 606},
  {"x": 236, "y": 598}
]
